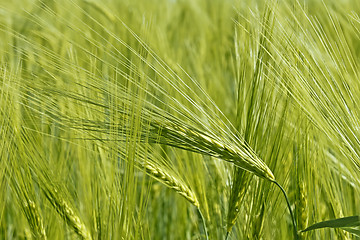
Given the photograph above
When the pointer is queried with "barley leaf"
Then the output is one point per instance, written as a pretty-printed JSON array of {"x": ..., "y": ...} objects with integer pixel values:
[{"x": 352, "y": 221}]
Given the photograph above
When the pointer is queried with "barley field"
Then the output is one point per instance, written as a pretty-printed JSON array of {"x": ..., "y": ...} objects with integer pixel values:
[{"x": 179, "y": 119}]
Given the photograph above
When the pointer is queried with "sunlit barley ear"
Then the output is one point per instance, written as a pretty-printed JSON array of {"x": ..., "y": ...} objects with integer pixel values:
[
  {"x": 36, "y": 220},
  {"x": 241, "y": 155},
  {"x": 173, "y": 183},
  {"x": 31, "y": 211},
  {"x": 67, "y": 212}
]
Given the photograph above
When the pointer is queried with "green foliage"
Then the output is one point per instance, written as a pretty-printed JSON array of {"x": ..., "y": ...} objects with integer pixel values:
[
  {"x": 173, "y": 119},
  {"x": 350, "y": 224}
]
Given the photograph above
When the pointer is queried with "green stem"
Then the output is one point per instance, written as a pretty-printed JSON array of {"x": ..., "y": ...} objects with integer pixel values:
[
  {"x": 204, "y": 224},
  {"x": 296, "y": 236},
  {"x": 227, "y": 235}
]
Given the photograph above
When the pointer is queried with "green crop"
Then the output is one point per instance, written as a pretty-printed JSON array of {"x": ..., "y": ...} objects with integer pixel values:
[{"x": 179, "y": 119}]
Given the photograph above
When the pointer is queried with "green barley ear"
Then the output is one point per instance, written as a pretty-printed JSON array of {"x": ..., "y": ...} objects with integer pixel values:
[
  {"x": 179, "y": 186},
  {"x": 247, "y": 109},
  {"x": 189, "y": 138},
  {"x": 302, "y": 156},
  {"x": 14, "y": 166},
  {"x": 29, "y": 207},
  {"x": 58, "y": 199},
  {"x": 172, "y": 182},
  {"x": 21, "y": 183},
  {"x": 66, "y": 211},
  {"x": 241, "y": 179},
  {"x": 258, "y": 223}
]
